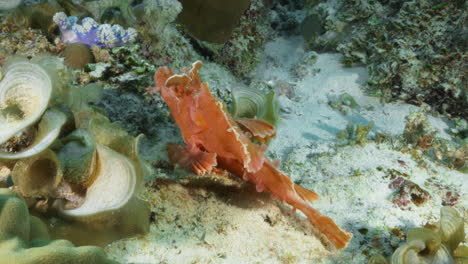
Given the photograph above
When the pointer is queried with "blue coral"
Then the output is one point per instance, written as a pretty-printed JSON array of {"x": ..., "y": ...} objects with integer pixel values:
[{"x": 91, "y": 33}]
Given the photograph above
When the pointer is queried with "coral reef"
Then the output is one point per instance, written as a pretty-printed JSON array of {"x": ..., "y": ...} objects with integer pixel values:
[
  {"x": 165, "y": 12},
  {"x": 116, "y": 176},
  {"x": 413, "y": 49},
  {"x": 418, "y": 130},
  {"x": 163, "y": 43},
  {"x": 134, "y": 113},
  {"x": 235, "y": 41},
  {"x": 91, "y": 33},
  {"x": 123, "y": 67},
  {"x": 38, "y": 16},
  {"x": 286, "y": 16},
  {"x": 111, "y": 156},
  {"x": 24, "y": 238},
  {"x": 460, "y": 128},
  {"x": 10, "y": 4},
  {"x": 72, "y": 111},
  {"x": 73, "y": 155},
  {"x": 15, "y": 40},
  {"x": 39, "y": 138},
  {"x": 97, "y": 8},
  {"x": 241, "y": 52}
]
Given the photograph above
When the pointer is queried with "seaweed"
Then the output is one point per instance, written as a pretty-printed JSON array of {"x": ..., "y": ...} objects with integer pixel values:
[{"x": 354, "y": 134}]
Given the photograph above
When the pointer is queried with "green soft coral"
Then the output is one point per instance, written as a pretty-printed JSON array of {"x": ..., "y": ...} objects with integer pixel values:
[{"x": 24, "y": 239}]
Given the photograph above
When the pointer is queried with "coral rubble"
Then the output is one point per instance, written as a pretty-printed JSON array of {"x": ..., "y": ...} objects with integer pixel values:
[{"x": 414, "y": 49}]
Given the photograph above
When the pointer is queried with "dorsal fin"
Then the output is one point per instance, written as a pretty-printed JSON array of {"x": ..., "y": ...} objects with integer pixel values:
[
  {"x": 260, "y": 130},
  {"x": 195, "y": 67}
]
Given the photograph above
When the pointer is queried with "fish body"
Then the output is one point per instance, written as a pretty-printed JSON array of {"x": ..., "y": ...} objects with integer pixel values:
[{"x": 213, "y": 139}]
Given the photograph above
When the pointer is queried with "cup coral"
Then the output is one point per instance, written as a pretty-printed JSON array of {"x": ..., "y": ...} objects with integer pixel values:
[
  {"x": 250, "y": 103},
  {"x": 65, "y": 158},
  {"x": 25, "y": 94},
  {"x": 108, "y": 171},
  {"x": 439, "y": 244}
]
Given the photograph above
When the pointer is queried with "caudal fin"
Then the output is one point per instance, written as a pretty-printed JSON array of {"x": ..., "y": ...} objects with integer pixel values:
[
  {"x": 281, "y": 186},
  {"x": 331, "y": 232}
]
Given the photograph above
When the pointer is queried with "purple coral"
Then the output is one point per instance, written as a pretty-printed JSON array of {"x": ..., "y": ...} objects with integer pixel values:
[{"x": 91, "y": 33}]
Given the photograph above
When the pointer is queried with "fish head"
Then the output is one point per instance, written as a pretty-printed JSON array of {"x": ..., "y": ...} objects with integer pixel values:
[{"x": 182, "y": 93}]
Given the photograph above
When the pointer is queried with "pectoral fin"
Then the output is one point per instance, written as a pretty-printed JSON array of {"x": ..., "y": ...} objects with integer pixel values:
[
  {"x": 191, "y": 158},
  {"x": 259, "y": 129}
]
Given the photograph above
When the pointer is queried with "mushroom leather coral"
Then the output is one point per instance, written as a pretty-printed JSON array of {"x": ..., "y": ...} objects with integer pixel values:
[{"x": 214, "y": 139}]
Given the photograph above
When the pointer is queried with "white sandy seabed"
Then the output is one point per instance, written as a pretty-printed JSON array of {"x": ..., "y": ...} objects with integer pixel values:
[{"x": 200, "y": 222}]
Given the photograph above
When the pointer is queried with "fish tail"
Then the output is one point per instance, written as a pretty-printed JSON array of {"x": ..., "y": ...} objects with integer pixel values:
[{"x": 330, "y": 231}]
